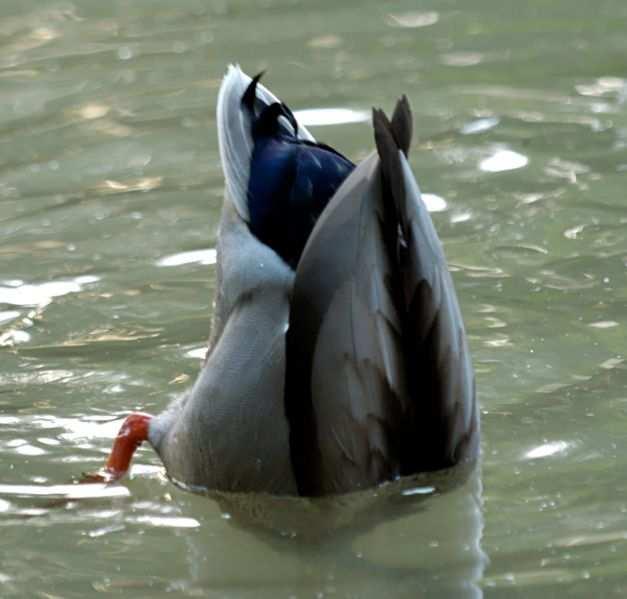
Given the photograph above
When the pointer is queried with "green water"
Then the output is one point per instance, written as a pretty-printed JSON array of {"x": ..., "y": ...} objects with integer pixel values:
[{"x": 110, "y": 175}]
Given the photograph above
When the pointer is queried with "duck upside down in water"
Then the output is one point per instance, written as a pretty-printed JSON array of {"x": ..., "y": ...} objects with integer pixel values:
[{"x": 338, "y": 358}]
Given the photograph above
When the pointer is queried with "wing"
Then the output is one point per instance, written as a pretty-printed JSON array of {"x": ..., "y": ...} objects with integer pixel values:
[{"x": 379, "y": 381}]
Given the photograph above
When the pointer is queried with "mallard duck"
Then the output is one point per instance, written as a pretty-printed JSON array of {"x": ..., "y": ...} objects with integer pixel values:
[{"x": 338, "y": 358}]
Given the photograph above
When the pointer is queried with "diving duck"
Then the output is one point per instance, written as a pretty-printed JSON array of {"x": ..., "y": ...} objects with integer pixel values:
[{"x": 338, "y": 358}]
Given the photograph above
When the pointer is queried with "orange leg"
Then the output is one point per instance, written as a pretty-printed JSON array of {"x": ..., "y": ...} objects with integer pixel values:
[{"x": 133, "y": 432}]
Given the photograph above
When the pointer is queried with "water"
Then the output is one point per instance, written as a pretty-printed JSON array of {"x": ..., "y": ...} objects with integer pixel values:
[{"x": 110, "y": 188}]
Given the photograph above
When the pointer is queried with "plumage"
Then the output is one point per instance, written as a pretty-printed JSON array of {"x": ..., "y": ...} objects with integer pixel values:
[
  {"x": 291, "y": 180},
  {"x": 338, "y": 358}
]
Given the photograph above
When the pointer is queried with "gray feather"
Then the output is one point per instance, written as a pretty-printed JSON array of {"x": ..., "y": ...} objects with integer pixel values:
[
  {"x": 229, "y": 432},
  {"x": 345, "y": 366},
  {"x": 379, "y": 379}
]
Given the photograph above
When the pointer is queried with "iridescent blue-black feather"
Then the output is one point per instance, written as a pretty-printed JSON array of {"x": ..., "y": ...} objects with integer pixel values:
[{"x": 291, "y": 180}]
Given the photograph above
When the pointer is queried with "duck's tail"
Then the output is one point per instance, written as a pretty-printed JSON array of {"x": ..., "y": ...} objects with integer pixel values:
[
  {"x": 374, "y": 304},
  {"x": 266, "y": 118},
  {"x": 441, "y": 423}
]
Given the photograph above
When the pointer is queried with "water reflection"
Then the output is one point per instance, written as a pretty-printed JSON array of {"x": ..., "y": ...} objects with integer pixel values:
[
  {"x": 434, "y": 202},
  {"x": 503, "y": 160},
  {"x": 461, "y": 59},
  {"x": 602, "y": 86},
  {"x": 70, "y": 492},
  {"x": 141, "y": 184},
  {"x": 198, "y": 353},
  {"x": 400, "y": 540},
  {"x": 479, "y": 125},
  {"x": 330, "y": 116},
  {"x": 18, "y": 293},
  {"x": 547, "y": 449},
  {"x": 413, "y": 19},
  {"x": 604, "y": 324},
  {"x": 207, "y": 256}
]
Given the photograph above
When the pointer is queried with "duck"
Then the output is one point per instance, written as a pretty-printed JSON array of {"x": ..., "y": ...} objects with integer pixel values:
[{"x": 338, "y": 359}]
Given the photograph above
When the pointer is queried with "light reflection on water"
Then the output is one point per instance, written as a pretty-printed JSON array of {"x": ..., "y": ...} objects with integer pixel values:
[
  {"x": 109, "y": 165},
  {"x": 195, "y": 256},
  {"x": 70, "y": 492},
  {"x": 330, "y": 116},
  {"x": 18, "y": 293},
  {"x": 503, "y": 160}
]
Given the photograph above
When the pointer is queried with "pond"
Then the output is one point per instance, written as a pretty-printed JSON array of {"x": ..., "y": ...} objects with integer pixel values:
[{"x": 110, "y": 191}]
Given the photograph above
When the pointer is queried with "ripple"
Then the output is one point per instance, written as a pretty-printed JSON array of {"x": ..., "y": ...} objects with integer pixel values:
[
  {"x": 37, "y": 377},
  {"x": 479, "y": 272},
  {"x": 525, "y": 248},
  {"x": 91, "y": 491},
  {"x": 527, "y": 578},
  {"x": 561, "y": 282},
  {"x": 565, "y": 169},
  {"x": 603, "y": 324},
  {"x": 93, "y": 110},
  {"x": 23, "y": 447},
  {"x": 494, "y": 323},
  {"x": 434, "y": 203},
  {"x": 418, "y": 491},
  {"x": 141, "y": 184},
  {"x": 546, "y": 450},
  {"x": 41, "y": 294},
  {"x": 325, "y": 41},
  {"x": 80, "y": 429},
  {"x": 479, "y": 125},
  {"x": 593, "y": 539},
  {"x": 612, "y": 363},
  {"x": 8, "y": 316},
  {"x": 503, "y": 160},
  {"x": 602, "y": 86},
  {"x": 524, "y": 254},
  {"x": 461, "y": 217},
  {"x": 14, "y": 337},
  {"x": 105, "y": 530},
  {"x": 198, "y": 353},
  {"x": 412, "y": 19},
  {"x": 574, "y": 232},
  {"x": 461, "y": 59},
  {"x": 498, "y": 341},
  {"x": 207, "y": 256},
  {"x": 320, "y": 117},
  {"x": 167, "y": 521},
  {"x": 551, "y": 387}
]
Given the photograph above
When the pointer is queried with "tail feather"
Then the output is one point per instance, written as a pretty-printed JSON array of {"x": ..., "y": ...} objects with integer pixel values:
[
  {"x": 250, "y": 95},
  {"x": 373, "y": 302},
  {"x": 442, "y": 424},
  {"x": 402, "y": 124}
]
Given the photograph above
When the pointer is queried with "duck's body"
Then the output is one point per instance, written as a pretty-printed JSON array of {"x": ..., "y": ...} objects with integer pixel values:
[{"x": 338, "y": 358}]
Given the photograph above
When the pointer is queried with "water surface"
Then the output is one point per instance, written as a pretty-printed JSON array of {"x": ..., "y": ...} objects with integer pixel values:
[{"x": 110, "y": 190}]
